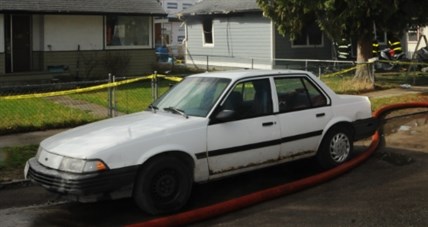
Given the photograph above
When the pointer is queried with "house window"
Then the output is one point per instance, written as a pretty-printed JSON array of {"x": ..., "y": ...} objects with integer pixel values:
[
  {"x": 171, "y": 5},
  {"x": 413, "y": 34},
  {"x": 180, "y": 38},
  {"x": 128, "y": 31},
  {"x": 186, "y": 5},
  {"x": 207, "y": 25},
  {"x": 309, "y": 37}
]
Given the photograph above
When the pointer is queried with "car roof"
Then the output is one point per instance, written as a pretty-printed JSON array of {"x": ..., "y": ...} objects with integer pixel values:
[{"x": 248, "y": 73}]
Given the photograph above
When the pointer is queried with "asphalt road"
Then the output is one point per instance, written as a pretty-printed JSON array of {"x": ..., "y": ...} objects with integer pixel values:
[{"x": 389, "y": 189}]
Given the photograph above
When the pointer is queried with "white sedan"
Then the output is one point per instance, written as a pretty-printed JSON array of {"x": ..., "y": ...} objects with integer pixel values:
[{"x": 208, "y": 126}]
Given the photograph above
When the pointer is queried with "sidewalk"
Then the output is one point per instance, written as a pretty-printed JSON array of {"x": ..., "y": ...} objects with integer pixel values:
[{"x": 397, "y": 92}]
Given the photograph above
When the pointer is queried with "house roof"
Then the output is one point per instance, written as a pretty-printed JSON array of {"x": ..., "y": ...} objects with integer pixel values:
[
  {"x": 135, "y": 7},
  {"x": 211, "y": 7}
]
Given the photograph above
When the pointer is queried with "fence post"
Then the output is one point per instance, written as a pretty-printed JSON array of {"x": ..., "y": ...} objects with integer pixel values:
[
  {"x": 154, "y": 86},
  {"x": 113, "y": 95},
  {"x": 208, "y": 63},
  {"x": 110, "y": 97},
  {"x": 252, "y": 63}
]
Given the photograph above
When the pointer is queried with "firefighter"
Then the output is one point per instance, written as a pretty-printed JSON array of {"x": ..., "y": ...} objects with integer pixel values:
[
  {"x": 375, "y": 48},
  {"x": 343, "y": 49},
  {"x": 394, "y": 44}
]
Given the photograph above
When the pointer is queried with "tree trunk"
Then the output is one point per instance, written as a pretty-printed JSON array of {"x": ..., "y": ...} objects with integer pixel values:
[{"x": 364, "y": 71}]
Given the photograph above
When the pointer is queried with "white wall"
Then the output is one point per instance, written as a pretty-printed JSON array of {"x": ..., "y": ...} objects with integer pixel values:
[
  {"x": 239, "y": 41},
  {"x": 1, "y": 33},
  {"x": 173, "y": 12},
  {"x": 411, "y": 45},
  {"x": 66, "y": 32}
]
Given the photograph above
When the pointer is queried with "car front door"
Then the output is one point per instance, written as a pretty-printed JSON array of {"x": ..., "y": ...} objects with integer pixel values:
[
  {"x": 249, "y": 136},
  {"x": 304, "y": 111}
]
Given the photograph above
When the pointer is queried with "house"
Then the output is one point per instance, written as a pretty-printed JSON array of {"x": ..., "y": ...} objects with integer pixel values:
[
  {"x": 170, "y": 30},
  {"x": 236, "y": 34},
  {"x": 84, "y": 38},
  {"x": 416, "y": 38}
]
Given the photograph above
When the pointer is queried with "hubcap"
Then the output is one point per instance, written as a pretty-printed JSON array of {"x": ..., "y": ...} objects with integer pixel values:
[
  {"x": 339, "y": 147},
  {"x": 164, "y": 185}
]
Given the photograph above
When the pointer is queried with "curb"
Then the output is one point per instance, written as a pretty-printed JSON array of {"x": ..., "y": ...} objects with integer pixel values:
[{"x": 15, "y": 184}]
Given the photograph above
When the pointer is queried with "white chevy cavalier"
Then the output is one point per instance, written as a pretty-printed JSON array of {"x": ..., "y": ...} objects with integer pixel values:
[{"x": 209, "y": 126}]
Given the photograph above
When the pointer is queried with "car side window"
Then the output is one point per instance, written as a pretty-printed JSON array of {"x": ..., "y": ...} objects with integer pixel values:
[
  {"x": 250, "y": 99},
  {"x": 317, "y": 98},
  {"x": 297, "y": 93}
]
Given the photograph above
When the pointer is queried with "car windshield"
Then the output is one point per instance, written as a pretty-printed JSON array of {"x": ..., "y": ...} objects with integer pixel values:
[{"x": 194, "y": 96}]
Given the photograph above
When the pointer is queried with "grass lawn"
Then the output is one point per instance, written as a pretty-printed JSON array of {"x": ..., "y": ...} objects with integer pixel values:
[
  {"x": 38, "y": 114},
  {"x": 12, "y": 161}
]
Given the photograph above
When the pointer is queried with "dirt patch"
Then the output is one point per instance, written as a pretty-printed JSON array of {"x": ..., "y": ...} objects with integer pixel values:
[{"x": 408, "y": 133}]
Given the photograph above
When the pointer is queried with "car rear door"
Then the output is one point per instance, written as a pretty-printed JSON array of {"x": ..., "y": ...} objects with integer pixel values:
[
  {"x": 304, "y": 112},
  {"x": 248, "y": 139}
]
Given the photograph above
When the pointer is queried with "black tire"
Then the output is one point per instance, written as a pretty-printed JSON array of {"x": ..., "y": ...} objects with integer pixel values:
[
  {"x": 163, "y": 185},
  {"x": 336, "y": 147}
]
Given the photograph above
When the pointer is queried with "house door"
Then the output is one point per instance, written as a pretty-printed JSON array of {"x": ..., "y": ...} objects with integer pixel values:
[{"x": 18, "y": 43}]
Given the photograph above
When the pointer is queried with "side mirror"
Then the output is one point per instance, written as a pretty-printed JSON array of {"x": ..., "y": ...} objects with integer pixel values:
[{"x": 225, "y": 115}]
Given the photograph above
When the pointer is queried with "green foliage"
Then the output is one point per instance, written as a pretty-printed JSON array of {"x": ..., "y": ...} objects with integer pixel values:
[{"x": 341, "y": 18}]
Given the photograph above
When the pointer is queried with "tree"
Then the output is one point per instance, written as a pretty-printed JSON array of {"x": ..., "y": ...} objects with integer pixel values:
[{"x": 347, "y": 18}]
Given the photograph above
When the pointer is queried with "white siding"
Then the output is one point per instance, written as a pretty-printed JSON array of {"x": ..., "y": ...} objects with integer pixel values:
[
  {"x": 1, "y": 33},
  {"x": 65, "y": 33},
  {"x": 237, "y": 41},
  {"x": 411, "y": 45}
]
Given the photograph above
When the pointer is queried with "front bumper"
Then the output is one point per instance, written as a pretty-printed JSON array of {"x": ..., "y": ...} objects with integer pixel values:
[
  {"x": 80, "y": 184},
  {"x": 365, "y": 128}
]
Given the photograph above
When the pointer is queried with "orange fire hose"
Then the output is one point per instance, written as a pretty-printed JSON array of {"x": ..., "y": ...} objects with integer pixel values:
[{"x": 218, "y": 209}]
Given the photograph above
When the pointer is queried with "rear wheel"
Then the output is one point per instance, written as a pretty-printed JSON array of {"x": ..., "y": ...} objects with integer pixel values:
[
  {"x": 336, "y": 147},
  {"x": 163, "y": 185}
]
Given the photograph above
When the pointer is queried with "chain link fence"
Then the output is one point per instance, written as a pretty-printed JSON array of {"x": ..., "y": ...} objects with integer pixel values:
[{"x": 60, "y": 105}]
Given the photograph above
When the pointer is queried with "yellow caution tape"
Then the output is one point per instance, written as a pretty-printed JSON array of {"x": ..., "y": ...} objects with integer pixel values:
[
  {"x": 172, "y": 78},
  {"x": 73, "y": 91},
  {"x": 382, "y": 61},
  {"x": 403, "y": 62},
  {"x": 340, "y": 72}
]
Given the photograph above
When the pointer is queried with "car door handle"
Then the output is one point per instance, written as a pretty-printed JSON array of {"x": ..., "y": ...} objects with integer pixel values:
[
  {"x": 268, "y": 123},
  {"x": 320, "y": 114}
]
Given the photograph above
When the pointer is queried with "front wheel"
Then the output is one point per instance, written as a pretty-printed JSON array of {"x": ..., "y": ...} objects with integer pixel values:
[
  {"x": 336, "y": 147},
  {"x": 163, "y": 185}
]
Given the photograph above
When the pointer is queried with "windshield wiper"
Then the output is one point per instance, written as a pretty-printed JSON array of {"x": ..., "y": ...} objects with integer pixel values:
[
  {"x": 177, "y": 111},
  {"x": 153, "y": 108}
]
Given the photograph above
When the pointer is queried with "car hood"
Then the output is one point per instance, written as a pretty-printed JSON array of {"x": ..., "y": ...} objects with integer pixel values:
[{"x": 86, "y": 140}]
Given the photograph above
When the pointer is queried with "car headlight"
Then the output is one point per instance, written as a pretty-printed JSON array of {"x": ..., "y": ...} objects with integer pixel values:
[{"x": 81, "y": 166}]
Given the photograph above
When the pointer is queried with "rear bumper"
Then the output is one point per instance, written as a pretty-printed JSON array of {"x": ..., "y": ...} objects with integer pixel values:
[
  {"x": 365, "y": 128},
  {"x": 80, "y": 184}
]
